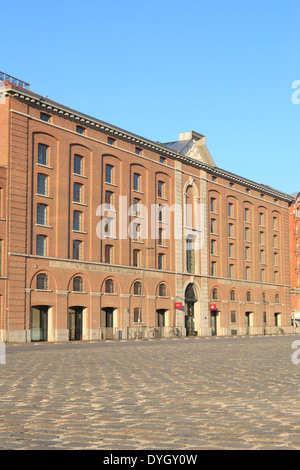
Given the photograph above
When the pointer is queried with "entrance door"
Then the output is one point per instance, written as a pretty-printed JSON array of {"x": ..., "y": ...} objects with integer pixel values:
[
  {"x": 39, "y": 323},
  {"x": 160, "y": 318},
  {"x": 189, "y": 318},
  {"x": 277, "y": 319},
  {"x": 107, "y": 322},
  {"x": 75, "y": 323},
  {"x": 213, "y": 322},
  {"x": 190, "y": 300},
  {"x": 248, "y": 322}
]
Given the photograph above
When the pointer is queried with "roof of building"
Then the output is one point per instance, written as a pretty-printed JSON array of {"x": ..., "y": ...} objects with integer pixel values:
[{"x": 190, "y": 147}]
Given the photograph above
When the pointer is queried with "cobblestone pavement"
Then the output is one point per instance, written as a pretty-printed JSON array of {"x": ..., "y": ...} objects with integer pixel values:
[{"x": 214, "y": 393}]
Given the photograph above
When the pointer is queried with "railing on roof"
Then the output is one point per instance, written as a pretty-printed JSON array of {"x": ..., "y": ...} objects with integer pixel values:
[{"x": 14, "y": 81}]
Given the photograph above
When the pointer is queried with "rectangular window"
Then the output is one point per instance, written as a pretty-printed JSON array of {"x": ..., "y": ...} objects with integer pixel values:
[
  {"x": 161, "y": 261},
  {"x": 42, "y": 214},
  {"x": 45, "y": 117},
  {"x": 109, "y": 173},
  {"x": 276, "y": 241},
  {"x": 230, "y": 250},
  {"x": 230, "y": 230},
  {"x": 136, "y": 232},
  {"x": 77, "y": 192},
  {"x": 247, "y": 215},
  {"x": 109, "y": 227},
  {"x": 190, "y": 255},
  {"x": 43, "y": 154},
  {"x": 213, "y": 247},
  {"x": 262, "y": 256},
  {"x": 1, "y": 258},
  {"x": 136, "y": 258},
  {"x": 275, "y": 223},
  {"x": 213, "y": 268},
  {"x": 77, "y": 220},
  {"x": 77, "y": 249},
  {"x": 261, "y": 219},
  {"x": 163, "y": 160},
  {"x": 276, "y": 259},
  {"x": 161, "y": 236},
  {"x": 213, "y": 204},
  {"x": 247, "y": 253},
  {"x": 233, "y": 316},
  {"x": 136, "y": 182},
  {"x": 109, "y": 254},
  {"x": 80, "y": 130},
  {"x": 137, "y": 315},
  {"x": 111, "y": 141},
  {"x": 136, "y": 207},
  {"x": 213, "y": 226},
  {"x": 230, "y": 210},
  {"x": 262, "y": 274},
  {"x": 41, "y": 245},
  {"x": 138, "y": 151},
  {"x": 231, "y": 271},
  {"x": 248, "y": 273},
  {"x": 109, "y": 199},
  {"x": 247, "y": 234},
  {"x": 161, "y": 189},
  {"x": 42, "y": 184},
  {"x": 78, "y": 161},
  {"x": 160, "y": 213}
]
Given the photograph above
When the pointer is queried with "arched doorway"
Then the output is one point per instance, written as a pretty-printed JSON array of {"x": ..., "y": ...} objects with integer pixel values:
[{"x": 190, "y": 300}]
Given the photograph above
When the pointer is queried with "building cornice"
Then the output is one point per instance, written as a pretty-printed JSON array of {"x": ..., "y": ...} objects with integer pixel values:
[{"x": 46, "y": 104}]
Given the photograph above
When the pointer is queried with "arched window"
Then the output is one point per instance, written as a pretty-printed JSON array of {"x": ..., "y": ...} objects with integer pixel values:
[
  {"x": 232, "y": 295},
  {"x": 162, "y": 290},
  {"x": 137, "y": 288},
  {"x": 109, "y": 286},
  {"x": 77, "y": 284},
  {"x": 249, "y": 296},
  {"x": 42, "y": 282},
  {"x": 277, "y": 299}
]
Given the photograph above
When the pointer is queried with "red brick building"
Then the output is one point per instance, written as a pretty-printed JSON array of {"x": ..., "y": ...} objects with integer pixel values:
[
  {"x": 108, "y": 233},
  {"x": 295, "y": 256}
]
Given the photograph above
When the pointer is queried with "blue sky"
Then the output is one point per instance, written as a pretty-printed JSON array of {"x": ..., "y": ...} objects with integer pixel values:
[{"x": 157, "y": 68}]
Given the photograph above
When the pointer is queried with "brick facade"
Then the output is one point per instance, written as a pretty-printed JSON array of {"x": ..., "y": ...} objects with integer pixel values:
[
  {"x": 294, "y": 229},
  {"x": 72, "y": 271}
]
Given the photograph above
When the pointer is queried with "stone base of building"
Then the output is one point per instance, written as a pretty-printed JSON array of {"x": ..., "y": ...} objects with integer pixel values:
[
  {"x": 16, "y": 336},
  {"x": 59, "y": 336}
]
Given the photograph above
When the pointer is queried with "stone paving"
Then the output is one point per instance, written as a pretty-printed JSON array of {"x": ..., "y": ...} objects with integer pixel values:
[{"x": 181, "y": 394}]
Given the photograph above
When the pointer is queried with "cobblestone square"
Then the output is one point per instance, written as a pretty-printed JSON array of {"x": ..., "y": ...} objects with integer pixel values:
[{"x": 195, "y": 393}]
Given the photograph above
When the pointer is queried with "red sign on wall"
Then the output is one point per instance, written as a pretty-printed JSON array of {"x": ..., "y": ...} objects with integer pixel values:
[
  {"x": 178, "y": 304},
  {"x": 212, "y": 307}
]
